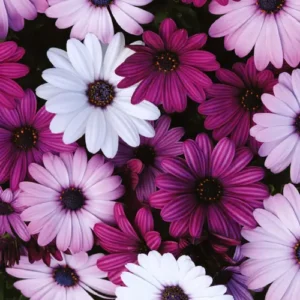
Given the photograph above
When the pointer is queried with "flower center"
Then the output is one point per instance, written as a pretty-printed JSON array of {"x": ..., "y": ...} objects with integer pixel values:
[
  {"x": 72, "y": 198},
  {"x": 297, "y": 123},
  {"x": 25, "y": 137},
  {"x": 145, "y": 154},
  {"x": 209, "y": 190},
  {"x": 174, "y": 293},
  {"x": 270, "y": 6},
  {"x": 143, "y": 248},
  {"x": 5, "y": 209},
  {"x": 102, "y": 2},
  {"x": 166, "y": 61},
  {"x": 100, "y": 93},
  {"x": 65, "y": 276},
  {"x": 297, "y": 252},
  {"x": 251, "y": 101}
]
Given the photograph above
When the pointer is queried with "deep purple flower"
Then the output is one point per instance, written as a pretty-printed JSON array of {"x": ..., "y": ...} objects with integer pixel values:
[
  {"x": 234, "y": 100},
  {"x": 9, "y": 250},
  {"x": 128, "y": 241},
  {"x": 170, "y": 67},
  {"x": 200, "y": 3},
  {"x": 24, "y": 137},
  {"x": 149, "y": 154},
  {"x": 212, "y": 186}
]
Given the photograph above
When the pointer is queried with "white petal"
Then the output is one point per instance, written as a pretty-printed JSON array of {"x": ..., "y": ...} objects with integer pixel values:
[
  {"x": 59, "y": 59},
  {"x": 111, "y": 141},
  {"x": 60, "y": 122},
  {"x": 47, "y": 91}
]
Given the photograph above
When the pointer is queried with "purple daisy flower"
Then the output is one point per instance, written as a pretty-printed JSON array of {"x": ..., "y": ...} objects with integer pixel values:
[
  {"x": 24, "y": 137},
  {"x": 212, "y": 186},
  {"x": 234, "y": 100},
  {"x": 170, "y": 67},
  {"x": 10, "y": 220},
  {"x": 149, "y": 155},
  {"x": 200, "y": 3},
  {"x": 128, "y": 241}
]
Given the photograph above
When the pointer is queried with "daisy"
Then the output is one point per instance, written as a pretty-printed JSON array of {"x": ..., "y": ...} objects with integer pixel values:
[
  {"x": 127, "y": 241},
  {"x": 212, "y": 186},
  {"x": 200, "y": 3},
  {"x": 94, "y": 16},
  {"x": 279, "y": 129},
  {"x": 82, "y": 92},
  {"x": 168, "y": 68},
  {"x": 13, "y": 13},
  {"x": 269, "y": 26},
  {"x": 163, "y": 277},
  {"x": 24, "y": 137},
  {"x": 274, "y": 248},
  {"x": 149, "y": 155},
  {"x": 10, "y": 69},
  {"x": 71, "y": 195},
  {"x": 75, "y": 277},
  {"x": 234, "y": 100}
]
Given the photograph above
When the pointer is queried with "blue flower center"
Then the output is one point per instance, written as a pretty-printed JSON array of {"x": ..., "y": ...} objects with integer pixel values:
[
  {"x": 100, "y": 93},
  {"x": 5, "y": 209},
  {"x": 270, "y": 6},
  {"x": 209, "y": 190},
  {"x": 297, "y": 123},
  {"x": 174, "y": 293},
  {"x": 72, "y": 198},
  {"x": 297, "y": 252},
  {"x": 25, "y": 137},
  {"x": 65, "y": 276},
  {"x": 101, "y": 2}
]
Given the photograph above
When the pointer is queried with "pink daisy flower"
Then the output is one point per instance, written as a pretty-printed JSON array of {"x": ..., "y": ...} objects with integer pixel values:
[
  {"x": 234, "y": 100},
  {"x": 75, "y": 277},
  {"x": 213, "y": 187},
  {"x": 127, "y": 241},
  {"x": 149, "y": 155},
  {"x": 274, "y": 248},
  {"x": 70, "y": 196},
  {"x": 94, "y": 16},
  {"x": 200, "y": 3},
  {"x": 13, "y": 13},
  {"x": 10, "y": 220},
  {"x": 24, "y": 137},
  {"x": 169, "y": 67},
  {"x": 279, "y": 129},
  {"x": 10, "y": 69},
  {"x": 269, "y": 26}
]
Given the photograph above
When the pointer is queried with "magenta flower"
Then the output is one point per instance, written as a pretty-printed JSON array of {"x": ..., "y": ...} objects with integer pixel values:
[
  {"x": 10, "y": 220},
  {"x": 269, "y": 26},
  {"x": 212, "y": 186},
  {"x": 128, "y": 240},
  {"x": 233, "y": 102},
  {"x": 10, "y": 69},
  {"x": 71, "y": 195},
  {"x": 24, "y": 137},
  {"x": 200, "y": 3},
  {"x": 149, "y": 155},
  {"x": 13, "y": 13},
  {"x": 170, "y": 67}
]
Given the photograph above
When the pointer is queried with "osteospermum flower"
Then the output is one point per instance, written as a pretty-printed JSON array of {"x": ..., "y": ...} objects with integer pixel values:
[
  {"x": 75, "y": 277},
  {"x": 129, "y": 240},
  {"x": 10, "y": 220},
  {"x": 71, "y": 195},
  {"x": 212, "y": 186},
  {"x": 163, "y": 277},
  {"x": 274, "y": 248},
  {"x": 25, "y": 136},
  {"x": 94, "y": 16},
  {"x": 279, "y": 129},
  {"x": 82, "y": 92},
  {"x": 269, "y": 26},
  {"x": 10, "y": 69},
  {"x": 169, "y": 67},
  {"x": 200, "y": 3},
  {"x": 234, "y": 100},
  {"x": 150, "y": 154},
  {"x": 13, "y": 13}
]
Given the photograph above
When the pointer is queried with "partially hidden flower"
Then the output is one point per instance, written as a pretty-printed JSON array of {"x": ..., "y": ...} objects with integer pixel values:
[
  {"x": 82, "y": 91},
  {"x": 10, "y": 248},
  {"x": 200, "y": 3},
  {"x": 169, "y": 68}
]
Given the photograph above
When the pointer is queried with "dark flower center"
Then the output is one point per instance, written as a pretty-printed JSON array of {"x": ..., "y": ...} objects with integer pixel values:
[
  {"x": 297, "y": 252},
  {"x": 297, "y": 123},
  {"x": 25, "y": 137},
  {"x": 100, "y": 93},
  {"x": 143, "y": 248},
  {"x": 209, "y": 190},
  {"x": 102, "y": 2},
  {"x": 270, "y": 6},
  {"x": 145, "y": 154},
  {"x": 223, "y": 277},
  {"x": 166, "y": 61},
  {"x": 5, "y": 209},
  {"x": 72, "y": 198},
  {"x": 173, "y": 293},
  {"x": 251, "y": 100},
  {"x": 65, "y": 276}
]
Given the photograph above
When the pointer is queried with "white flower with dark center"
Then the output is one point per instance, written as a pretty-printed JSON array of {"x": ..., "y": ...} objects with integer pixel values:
[
  {"x": 82, "y": 91},
  {"x": 162, "y": 277}
]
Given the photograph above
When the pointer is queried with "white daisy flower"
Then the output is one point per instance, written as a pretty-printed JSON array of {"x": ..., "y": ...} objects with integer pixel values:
[
  {"x": 162, "y": 277},
  {"x": 81, "y": 91}
]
